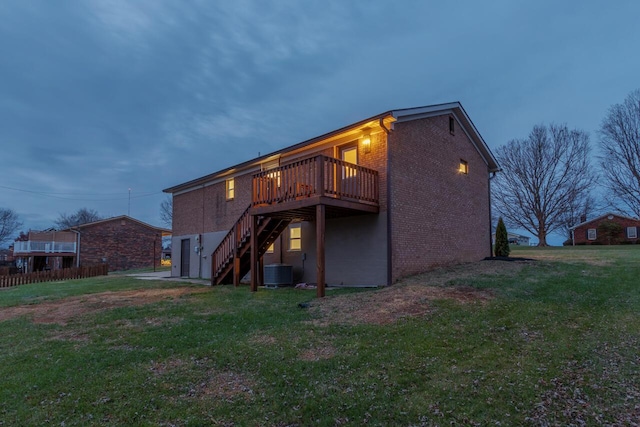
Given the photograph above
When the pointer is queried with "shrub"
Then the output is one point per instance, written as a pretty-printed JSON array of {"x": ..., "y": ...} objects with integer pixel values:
[
  {"x": 609, "y": 233},
  {"x": 502, "y": 240}
]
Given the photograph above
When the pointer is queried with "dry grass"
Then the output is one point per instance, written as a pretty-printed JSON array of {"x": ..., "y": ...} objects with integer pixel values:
[
  {"x": 62, "y": 311},
  {"x": 411, "y": 297}
]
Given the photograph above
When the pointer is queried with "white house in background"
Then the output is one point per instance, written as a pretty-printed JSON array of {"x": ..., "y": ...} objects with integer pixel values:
[{"x": 514, "y": 239}]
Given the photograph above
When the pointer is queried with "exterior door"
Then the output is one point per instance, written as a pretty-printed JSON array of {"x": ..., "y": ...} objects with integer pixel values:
[
  {"x": 348, "y": 175},
  {"x": 184, "y": 257}
]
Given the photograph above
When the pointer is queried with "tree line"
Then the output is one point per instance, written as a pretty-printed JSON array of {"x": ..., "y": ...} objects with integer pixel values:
[{"x": 548, "y": 181}]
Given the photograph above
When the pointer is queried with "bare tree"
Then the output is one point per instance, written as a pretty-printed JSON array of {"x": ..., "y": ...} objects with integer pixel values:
[
  {"x": 620, "y": 145},
  {"x": 166, "y": 211},
  {"x": 82, "y": 216},
  {"x": 9, "y": 224},
  {"x": 542, "y": 176},
  {"x": 578, "y": 210}
]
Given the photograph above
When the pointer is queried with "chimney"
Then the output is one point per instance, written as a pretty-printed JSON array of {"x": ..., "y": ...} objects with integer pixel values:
[{"x": 583, "y": 218}]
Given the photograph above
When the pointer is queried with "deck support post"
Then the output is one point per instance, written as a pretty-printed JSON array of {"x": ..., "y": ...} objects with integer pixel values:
[
  {"x": 261, "y": 271},
  {"x": 236, "y": 269},
  {"x": 236, "y": 256},
  {"x": 254, "y": 253},
  {"x": 320, "y": 228}
]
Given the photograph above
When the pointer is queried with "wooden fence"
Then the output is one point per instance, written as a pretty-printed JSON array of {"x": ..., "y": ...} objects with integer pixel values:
[{"x": 53, "y": 276}]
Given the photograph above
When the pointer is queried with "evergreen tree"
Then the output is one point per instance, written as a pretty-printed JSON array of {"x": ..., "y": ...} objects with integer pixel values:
[{"x": 502, "y": 240}]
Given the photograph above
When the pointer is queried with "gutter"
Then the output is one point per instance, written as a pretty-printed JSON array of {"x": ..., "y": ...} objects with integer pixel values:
[
  {"x": 491, "y": 176},
  {"x": 389, "y": 234}
]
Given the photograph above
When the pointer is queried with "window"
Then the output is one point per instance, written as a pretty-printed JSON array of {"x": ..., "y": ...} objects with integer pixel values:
[
  {"x": 295, "y": 238},
  {"x": 464, "y": 167},
  {"x": 632, "y": 233},
  {"x": 591, "y": 234},
  {"x": 349, "y": 154},
  {"x": 274, "y": 175},
  {"x": 231, "y": 187},
  {"x": 452, "y": 125},
  {"x": 271, "y": 249}
]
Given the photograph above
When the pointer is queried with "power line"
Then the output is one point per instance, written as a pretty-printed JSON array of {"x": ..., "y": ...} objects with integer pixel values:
[{"x": 94, "y": 197}]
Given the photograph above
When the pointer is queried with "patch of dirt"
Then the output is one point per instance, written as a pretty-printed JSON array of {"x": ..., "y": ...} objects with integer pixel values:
[
  {"x": 161, "y": 368},
  {"x": 263, "y": 339},
  {"x": 318, "y": 353},
  {"x": 411, "y": 297},
  {"x": 219, "y": 385},
  {"x": 63, "y": 310},
  {"x": 226, "y": 385},
  {"x": 70, "y": 335}
]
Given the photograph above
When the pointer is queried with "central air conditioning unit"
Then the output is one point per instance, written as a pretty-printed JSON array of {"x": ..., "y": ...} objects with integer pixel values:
[{"x": 278, "y": 275}]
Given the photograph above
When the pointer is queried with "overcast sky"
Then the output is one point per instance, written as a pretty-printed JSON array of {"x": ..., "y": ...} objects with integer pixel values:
[{"x": 97, "y": 97}]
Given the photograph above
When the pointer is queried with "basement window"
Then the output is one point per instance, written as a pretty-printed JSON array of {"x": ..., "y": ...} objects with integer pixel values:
[
  {"x": 632, "y": 233},
  {"x": 230, "y": 189},
  {"x": 591, "y": 234},
  {"x": 295, "y": 237}
]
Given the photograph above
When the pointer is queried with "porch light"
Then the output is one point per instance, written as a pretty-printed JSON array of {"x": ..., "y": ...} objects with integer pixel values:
[
  {"x": 366, "y": 140},
  {"x": 464, "y": 167}
]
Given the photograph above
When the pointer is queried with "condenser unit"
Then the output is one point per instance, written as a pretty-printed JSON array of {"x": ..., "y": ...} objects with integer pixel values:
[{"x": 278, "y": 275}]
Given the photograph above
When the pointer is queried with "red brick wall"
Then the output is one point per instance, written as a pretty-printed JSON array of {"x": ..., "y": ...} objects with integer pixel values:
[
  {"x": 438, "y": 215},
  {"x": 125, "y": 245},
  {"x": 377, "y": 159},
  {"x": 580, "y": 233},
  {"x": 207, "y": 209}
]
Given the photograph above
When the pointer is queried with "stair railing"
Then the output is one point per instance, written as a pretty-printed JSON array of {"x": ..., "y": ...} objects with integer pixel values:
[{"x": 231, "y": 242}]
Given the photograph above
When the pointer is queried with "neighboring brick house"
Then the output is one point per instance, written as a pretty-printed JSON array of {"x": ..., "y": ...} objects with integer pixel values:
[
  {"x": 607, "y": 229},
  {"x": 122, "y": 242},
  {"x": 387, "y": 197}
]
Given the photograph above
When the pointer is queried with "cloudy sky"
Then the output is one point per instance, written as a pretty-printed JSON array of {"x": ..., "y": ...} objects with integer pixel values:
[{"x": 99, "y": 97}]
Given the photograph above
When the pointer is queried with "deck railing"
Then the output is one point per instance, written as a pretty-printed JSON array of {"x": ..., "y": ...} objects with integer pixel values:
[
  {"x": 27, "y": 247},
  {"x": 316, "y": 176}
]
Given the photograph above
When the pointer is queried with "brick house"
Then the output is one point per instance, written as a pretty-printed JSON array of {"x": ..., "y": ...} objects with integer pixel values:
[
  {"x": 607, "y": 229},
  {"x": 386, "y": 197},
  {"x": 122, "y": 242}
]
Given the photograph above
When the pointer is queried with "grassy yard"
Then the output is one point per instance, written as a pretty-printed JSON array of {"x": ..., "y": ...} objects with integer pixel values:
[{"x": 547, "y": 342}]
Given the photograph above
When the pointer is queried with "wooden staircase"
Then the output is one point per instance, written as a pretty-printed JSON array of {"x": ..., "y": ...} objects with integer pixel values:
[{"x": 234, "y": 251}]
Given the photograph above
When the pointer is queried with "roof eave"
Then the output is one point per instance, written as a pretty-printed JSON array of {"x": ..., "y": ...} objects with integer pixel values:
[
  {"x": 456, "y": 107},
  {"x": 257, "y": 160}
]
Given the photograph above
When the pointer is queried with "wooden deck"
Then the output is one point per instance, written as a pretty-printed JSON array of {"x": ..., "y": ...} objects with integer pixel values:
[
  {"x": 310, "y": 189},
  {"x": 294, "y": 190}
]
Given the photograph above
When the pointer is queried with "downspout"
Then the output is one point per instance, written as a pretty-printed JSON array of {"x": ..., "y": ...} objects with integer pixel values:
[
  {"x": 490, "y": 217},
  {"x": 77, "y": 247},
  {"x": 389, "y": 234},
  {"x": 200, "y": 242}
]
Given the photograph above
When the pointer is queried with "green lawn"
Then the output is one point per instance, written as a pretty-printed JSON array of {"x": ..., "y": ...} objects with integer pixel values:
[{"x": 555, "y": 343}]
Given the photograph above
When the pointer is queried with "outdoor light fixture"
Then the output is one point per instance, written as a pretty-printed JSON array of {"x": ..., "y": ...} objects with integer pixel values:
[
  {"x": 366, "y": 140},
  {"x": 464, "y": 167}
]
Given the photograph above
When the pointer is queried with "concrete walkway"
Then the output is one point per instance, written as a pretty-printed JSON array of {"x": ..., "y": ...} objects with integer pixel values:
[{"x": 166, "y": 275}]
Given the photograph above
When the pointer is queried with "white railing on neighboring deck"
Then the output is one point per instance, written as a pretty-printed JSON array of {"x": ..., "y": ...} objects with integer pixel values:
[{"x": 44, "y": 247}]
